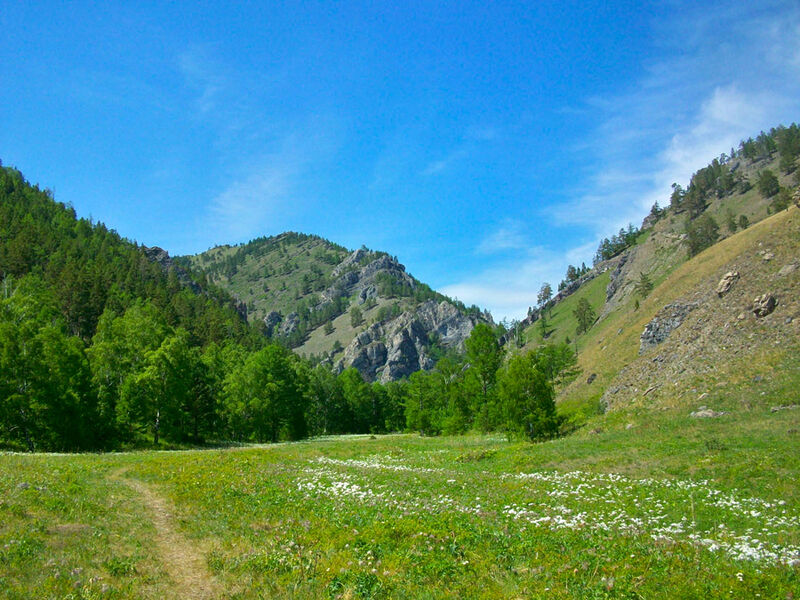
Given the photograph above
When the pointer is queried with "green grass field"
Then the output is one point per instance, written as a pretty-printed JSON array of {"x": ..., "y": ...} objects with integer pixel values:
[{"x": 668, "y": 507}]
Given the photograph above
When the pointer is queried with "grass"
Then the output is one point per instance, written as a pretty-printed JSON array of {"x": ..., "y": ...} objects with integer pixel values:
[
  {"x": 343, "y": 331},
  {"x": 613, "y": 343},
  {"x": 668, "y": 507},
  {"x": 561, "y": 321}
]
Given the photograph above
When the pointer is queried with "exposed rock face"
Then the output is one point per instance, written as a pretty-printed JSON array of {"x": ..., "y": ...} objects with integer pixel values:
[
  {"x": 616, "y": 276},
  {"x": 398, "y": 347},
  {"x": 764, "y": 305},
  {"x": 727, "y": 282},
  {"x": 271, "y": 321},
  {"x": 668, "y": 319},
  {"x": 357, "y": 275},
  {"x": 289, "y": 324},
  {"x": 163, "y": 259}
]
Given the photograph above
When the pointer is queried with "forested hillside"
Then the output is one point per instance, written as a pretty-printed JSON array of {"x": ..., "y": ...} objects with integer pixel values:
[{"x": 105, "y": 344}]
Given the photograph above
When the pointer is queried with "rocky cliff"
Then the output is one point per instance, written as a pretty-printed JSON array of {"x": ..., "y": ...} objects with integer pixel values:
[{"x": 396, "y": 348}]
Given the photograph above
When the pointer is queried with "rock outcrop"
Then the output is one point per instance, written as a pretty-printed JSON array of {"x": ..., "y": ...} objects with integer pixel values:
[
  {"x": 665, "y": 322},
  {"x": 398, "y": 347},
  {"x": 360, "y": 275},
  {"x": 616, "y": 276}
]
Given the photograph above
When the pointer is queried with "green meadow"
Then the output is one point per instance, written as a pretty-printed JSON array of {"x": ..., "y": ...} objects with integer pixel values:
[{"x": 648, "y": 506}]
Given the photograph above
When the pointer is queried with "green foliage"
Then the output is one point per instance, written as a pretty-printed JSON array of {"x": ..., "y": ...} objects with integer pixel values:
[
  {"x": 264, "y": 397},
  {"x": 584, "y": 315},
  {"x": 767, "y": 183},
  {"x": 356, "y": 317},
  {"x": 527, "y": 398},
  {"x": 744, "y": 222},
  {"x": 781, "y": 201},
  {"x": 545, "y": 293},
  {"x": 46, "y": 400},
  {"x": 609, "y": 248},
  {"x": 730, "y": 221},
  {"x": 643, "y": 286},
  {"x": 701, "y": 233},
  {"x": 544, "y": 325}
]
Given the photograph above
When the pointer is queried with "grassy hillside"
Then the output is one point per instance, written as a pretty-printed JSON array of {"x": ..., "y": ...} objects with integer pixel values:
[
  {"x": 561, "y": 322},
  {"x": 713, "y": 351}
]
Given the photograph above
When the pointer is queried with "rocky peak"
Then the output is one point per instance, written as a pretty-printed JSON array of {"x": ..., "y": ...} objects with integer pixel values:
[{"x": 400, "y": 346}]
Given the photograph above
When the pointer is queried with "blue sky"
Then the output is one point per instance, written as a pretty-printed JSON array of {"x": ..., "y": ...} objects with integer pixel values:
[{"x": 487, "y": 145}]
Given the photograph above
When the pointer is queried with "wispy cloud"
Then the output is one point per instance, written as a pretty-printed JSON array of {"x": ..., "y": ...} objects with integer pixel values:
[
  {"x": 242, "y": 209},
  {"x": 509, "y": 236},
  {"x": 730, "y": 80},
  {"x": 443, "y": 164},
  {"x": 473, "y": 138},
  {"x": 509, "y": 288},
  {"x": 204, "y": 75}
]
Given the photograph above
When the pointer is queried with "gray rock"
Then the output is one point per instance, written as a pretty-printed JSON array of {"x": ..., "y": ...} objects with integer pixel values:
[
  {"x": 787, "y": 270},
  {"x": 616, "y": 277},
  {"x": 271, "y": 321},
  {"x": 24, "y": 485},
  {"x": 591, "y": 378},
  {"x": 289, "y": 324},
  {"x": 664, "y": 323},
  {"x": 397, "y": 348},
  {"x": 706, "y": 413},
  {"x": 764, "y": 305},
  {"x": 727, "y": 282}
]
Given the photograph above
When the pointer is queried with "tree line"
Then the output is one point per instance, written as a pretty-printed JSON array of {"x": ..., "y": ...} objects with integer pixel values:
[{"x": 101, "y": 348}]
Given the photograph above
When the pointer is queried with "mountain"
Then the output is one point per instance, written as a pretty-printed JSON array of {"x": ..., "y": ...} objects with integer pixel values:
[{"x": 345, "y": 308}]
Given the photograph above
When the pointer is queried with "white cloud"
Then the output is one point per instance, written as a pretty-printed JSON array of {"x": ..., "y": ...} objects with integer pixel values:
[
  {"x": 508, "y": 289},
  {"x": 438, "y": 166},
  {"x": 203, "y": 75}
]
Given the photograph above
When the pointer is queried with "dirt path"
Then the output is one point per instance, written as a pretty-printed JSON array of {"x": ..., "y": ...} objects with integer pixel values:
[{"x": 183, "y": 562}]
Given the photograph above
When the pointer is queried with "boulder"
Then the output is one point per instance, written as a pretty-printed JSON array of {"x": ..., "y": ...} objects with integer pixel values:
[
  {"x": 787, "y": 270},
  {"x": 726, "y": 283},
  {"x": 764, "y": 305}
]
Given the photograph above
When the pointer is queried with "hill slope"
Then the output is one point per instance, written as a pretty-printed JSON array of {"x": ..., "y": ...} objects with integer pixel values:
[{"x": 679, "y": 342}]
